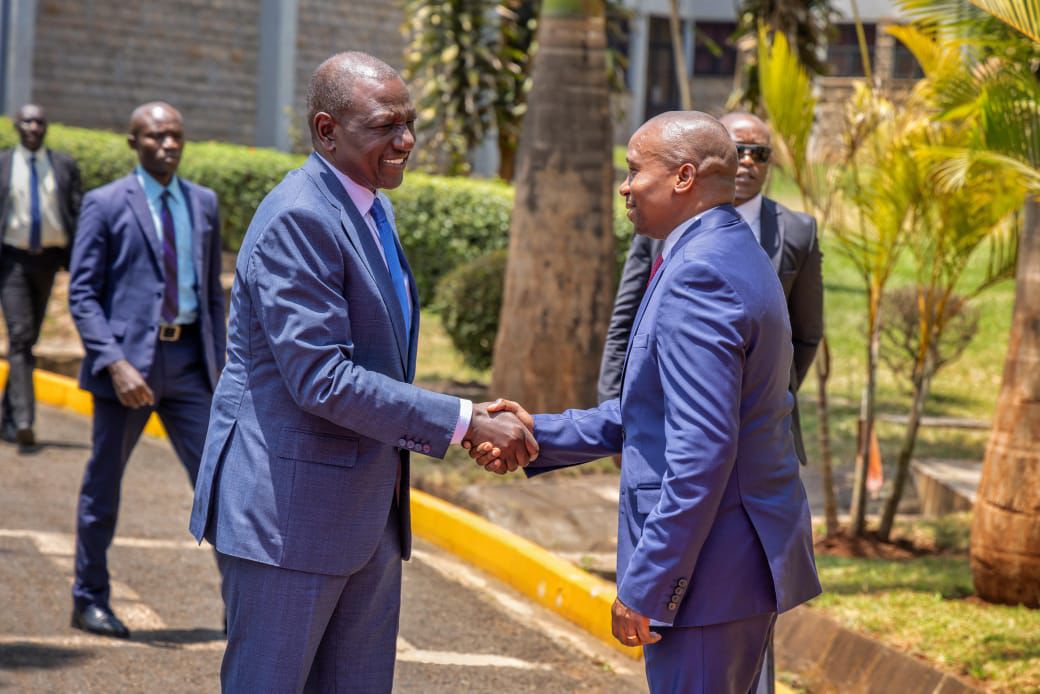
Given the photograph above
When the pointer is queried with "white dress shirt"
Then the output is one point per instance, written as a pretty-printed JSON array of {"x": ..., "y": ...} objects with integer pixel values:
[
  {"x": 19, "y": 218},
  {"x": 751, "y": 212},
  {"x": 363, "y": 198}
]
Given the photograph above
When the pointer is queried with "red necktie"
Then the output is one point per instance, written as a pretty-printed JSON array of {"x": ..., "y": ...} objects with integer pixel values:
[{"x": 653, "y": 270}]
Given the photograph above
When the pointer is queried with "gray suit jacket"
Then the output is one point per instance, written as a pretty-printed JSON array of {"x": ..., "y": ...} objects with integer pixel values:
[{"x": 789, "y": 239}]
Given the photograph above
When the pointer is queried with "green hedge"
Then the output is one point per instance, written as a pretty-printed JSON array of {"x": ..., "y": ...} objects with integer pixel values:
[
  {"x": 444, "y": 221},
  {"x": 469, "y": 298}
]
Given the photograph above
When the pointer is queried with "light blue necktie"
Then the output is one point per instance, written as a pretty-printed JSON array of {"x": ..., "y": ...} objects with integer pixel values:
[
  {"x": 393, "y": 261},
  {"x": 34, "y": 207}
]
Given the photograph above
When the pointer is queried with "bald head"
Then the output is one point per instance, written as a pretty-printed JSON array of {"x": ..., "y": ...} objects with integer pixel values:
[
  {"x": 680, "y": 163},
  {"x": 145, "y": 114},
  {"x": 333, "y": 86},
  {"x": 157, "y": 135},
  {"x": 681, "y": 137},
  {"x": 31, "y": 124}
]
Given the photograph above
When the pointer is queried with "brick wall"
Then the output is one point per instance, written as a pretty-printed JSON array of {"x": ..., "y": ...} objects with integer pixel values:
[
  {"x": 95, "y": 60},
  {"x": 332, "y": 26}
]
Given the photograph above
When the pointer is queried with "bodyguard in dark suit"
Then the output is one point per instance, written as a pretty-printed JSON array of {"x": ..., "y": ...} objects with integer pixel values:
[
  {"x": 145, "y": 294},
  {"x": 39, "y": 202},
  {"x": 788, "y": 237}
]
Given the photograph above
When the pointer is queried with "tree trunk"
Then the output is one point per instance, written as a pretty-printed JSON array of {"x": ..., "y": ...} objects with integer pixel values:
[
  {"x": 823, "y": 435},
  {"x": 906, "y": 451},
  {"x": 858, "y": 511},
  {"x": 679, "y": 55},
  {"x": 559, "y": 286},
  {"x": 1005, "y": 533}
]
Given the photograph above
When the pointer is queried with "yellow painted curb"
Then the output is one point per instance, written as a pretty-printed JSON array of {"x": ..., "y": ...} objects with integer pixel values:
[{"x": 537, "y": 573}]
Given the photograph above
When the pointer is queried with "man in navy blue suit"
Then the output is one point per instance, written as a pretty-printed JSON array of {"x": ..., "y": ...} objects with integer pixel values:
[
  {"x": 144, "y": 290},
  {"x": 714, "y": 535},
  {"x": 303, "y": 487}
]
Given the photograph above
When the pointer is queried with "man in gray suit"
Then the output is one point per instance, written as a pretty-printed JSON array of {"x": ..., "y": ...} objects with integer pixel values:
[{"x": 788, "y": 237}]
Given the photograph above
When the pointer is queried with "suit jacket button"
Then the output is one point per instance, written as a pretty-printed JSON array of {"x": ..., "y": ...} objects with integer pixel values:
[
  {"x": 401, "y": 443},
  {"x": 426, "y": 448},
  {"x": 679, "y": 590},
  {"x": 411, "y": 445},
  {"x": 672, "y": 606},
  {"x": 682, "y": 583}
]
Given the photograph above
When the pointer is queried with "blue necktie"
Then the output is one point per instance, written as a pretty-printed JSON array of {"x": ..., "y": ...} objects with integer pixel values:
[
  {"x": 393, "y": 261},
  {"x": 34, "y": 207}
]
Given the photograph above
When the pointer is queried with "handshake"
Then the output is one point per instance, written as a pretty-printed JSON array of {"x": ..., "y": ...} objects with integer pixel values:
[{"x": 501, "y": 436}]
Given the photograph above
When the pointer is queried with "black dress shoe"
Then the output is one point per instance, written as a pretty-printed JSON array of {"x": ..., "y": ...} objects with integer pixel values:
[
  {"x": 25, "y": 438},
  {"x": 99, "y": 620}
]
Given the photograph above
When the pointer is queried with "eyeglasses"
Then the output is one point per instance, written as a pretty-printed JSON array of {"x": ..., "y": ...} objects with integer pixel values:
[{"x": 758, "y": 153}]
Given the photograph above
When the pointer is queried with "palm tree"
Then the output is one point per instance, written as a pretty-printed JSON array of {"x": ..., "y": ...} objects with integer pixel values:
[
  {"x": 787, "y": 99},
  {"x": 560, "y": 275},
  {"x": 1005, "y": 538}
]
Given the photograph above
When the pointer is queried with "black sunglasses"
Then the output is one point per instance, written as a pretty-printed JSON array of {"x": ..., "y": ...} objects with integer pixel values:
[{"x": 759, "y": 153}]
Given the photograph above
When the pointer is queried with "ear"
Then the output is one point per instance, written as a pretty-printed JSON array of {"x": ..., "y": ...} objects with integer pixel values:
[
  {"x": 685, "y": 178},
  {"x": 324, "y": 130},
  {"x": 131, "y": 140}
]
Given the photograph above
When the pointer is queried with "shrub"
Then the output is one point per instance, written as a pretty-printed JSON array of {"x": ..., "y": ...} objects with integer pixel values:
[
  {"x": 469, "y": 298},
  {"x": 444, "y": 222}
]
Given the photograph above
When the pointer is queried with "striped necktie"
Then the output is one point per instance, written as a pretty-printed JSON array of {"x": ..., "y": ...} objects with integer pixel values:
[{"x": 393, "y": 261}]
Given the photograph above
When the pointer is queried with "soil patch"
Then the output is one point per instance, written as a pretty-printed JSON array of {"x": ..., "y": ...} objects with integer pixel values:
[{"x": 870, "y": 546}]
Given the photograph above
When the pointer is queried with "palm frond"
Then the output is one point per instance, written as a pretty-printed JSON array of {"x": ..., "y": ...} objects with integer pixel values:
[{"x": 1023, "y": 15}]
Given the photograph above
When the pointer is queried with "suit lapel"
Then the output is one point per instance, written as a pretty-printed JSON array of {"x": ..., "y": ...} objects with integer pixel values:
[
  {"x": 198, "y": 227},
  {"x": 5, "y": 188},
  {"x": 361, "y": 238},
  {"x": 139, "y": 206},
  {"x": 771, "y": 232}
]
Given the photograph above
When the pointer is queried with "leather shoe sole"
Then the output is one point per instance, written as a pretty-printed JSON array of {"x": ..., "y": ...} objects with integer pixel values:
[{"x": 99, "y": 620}]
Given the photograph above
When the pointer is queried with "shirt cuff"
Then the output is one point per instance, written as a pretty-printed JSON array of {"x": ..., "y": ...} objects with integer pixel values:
[{"x": 462, "y": 426}]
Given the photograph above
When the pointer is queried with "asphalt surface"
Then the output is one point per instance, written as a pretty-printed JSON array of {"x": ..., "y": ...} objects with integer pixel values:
[{"x": 460, "y": 630}]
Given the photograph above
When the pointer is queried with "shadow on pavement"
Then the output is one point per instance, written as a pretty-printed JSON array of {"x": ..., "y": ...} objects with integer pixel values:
[
  {"x": 177, "y": 637},
  {"x": 25, "y": 656}
]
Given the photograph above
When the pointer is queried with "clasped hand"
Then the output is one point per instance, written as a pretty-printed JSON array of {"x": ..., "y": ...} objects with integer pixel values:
[{"x": 501, "y": 436}]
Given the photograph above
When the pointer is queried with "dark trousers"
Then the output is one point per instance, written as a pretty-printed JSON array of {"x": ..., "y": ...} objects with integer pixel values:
[
  {"x": 182, "y": 400},
  {"x": 292, "y": 631},
  {"x": 26, "y": 280}
]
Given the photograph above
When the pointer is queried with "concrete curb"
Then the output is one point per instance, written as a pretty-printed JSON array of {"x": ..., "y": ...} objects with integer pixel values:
[
  {"x": 830, "y": 658},
  {"x": 577, "y": 595}
]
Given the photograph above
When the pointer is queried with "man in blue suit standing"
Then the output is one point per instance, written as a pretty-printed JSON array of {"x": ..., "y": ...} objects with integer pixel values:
[
  {"x": 303, "y": 488},
  {"x": 714, "y": 535},
  {"x": 144, "y": 291}
]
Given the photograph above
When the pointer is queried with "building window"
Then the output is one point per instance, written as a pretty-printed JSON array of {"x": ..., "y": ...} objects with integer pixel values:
[
  {"x": 714, "y": 53},
  {"x": 662, "y": 87},
  {"x": 904, "y": 64},
  {"x": 843, "y": 56}
]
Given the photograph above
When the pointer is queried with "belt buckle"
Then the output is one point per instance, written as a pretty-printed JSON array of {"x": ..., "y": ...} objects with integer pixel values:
[{"x": 169, "y": 333}]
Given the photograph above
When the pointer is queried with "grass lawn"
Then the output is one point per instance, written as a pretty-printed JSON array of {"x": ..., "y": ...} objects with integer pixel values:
[{"x": 925, "y": 606}]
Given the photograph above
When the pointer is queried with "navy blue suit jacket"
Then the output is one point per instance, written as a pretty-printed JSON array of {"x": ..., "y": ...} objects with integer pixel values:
[
  {"x": 116, "y": 280},
  {"x": 714, "y": 524},
  {"x": 314, "y": 416}
]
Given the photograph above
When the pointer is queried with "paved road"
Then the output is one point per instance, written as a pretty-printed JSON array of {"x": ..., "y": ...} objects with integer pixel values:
[{"x": 460, "y": 631}]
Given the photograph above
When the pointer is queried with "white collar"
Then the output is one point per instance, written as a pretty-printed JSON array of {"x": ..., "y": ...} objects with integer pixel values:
[
  {"x": 361, "y": 196},
  {"x": 25, "y": 152},
  {"x": 751, "y": 211}
]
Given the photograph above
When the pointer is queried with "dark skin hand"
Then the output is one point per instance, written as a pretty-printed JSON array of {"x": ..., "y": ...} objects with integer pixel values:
[
  {"x": 630, "y": 627},
  {"x": 129, "y": 385},
  {"x": 505, "y": 433},
  {"x": 490, "y": 456}
]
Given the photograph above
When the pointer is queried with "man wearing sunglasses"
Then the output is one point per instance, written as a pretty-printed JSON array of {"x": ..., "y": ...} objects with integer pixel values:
[{"x": 787, "y": 237}]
